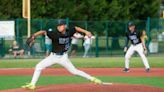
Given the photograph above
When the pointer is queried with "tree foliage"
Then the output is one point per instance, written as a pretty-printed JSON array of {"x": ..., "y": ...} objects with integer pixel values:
[{"x": 83, "y": 9}]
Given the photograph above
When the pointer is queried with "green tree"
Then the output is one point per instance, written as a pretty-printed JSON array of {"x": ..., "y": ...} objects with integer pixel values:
[
  {"x": 10, "y": 9},
  {"x": 83, "y": 9}
]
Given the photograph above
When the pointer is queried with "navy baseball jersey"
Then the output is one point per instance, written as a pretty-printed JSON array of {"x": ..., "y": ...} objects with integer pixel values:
[
  {"x": 134, "y": 37},
  {"x": 60, "y": 42}
]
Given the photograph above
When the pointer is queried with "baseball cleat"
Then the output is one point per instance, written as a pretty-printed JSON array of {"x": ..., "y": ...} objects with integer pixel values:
[
  {"x": 148, "y": 70},
  {"x": 29, "y": 86},
  {"x": 96, "y": 81},
  {"x": 126, "y": 70}
]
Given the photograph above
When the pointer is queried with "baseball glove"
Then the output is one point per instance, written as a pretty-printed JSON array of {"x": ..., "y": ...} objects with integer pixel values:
[{"x": 30, "y": 41}]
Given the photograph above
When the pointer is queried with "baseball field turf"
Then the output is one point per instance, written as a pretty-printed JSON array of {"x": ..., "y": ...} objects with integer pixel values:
[{"x": 8, "y": 82}]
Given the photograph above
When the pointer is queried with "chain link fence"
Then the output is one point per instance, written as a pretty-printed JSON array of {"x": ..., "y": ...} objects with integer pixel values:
[{"x": 109, "y": 41}]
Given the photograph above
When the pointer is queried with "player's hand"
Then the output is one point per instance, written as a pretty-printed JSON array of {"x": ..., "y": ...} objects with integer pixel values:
[
  {"x": 89, "y": 34},
  {"x": 30, "y": 41}
]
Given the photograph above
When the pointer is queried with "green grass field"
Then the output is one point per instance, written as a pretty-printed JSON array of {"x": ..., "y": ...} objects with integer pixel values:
[
  {"x": 111, "y": 62},
  {"x": 8, "y": 82}
]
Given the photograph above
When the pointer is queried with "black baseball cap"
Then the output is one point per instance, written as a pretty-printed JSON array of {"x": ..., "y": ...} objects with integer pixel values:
[
  {"x": 61, "y": 22},
  {"x": 131, "y": 24}
]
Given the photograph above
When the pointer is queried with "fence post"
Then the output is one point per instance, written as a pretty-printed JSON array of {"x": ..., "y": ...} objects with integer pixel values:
[
  {"x": 67, "y": 22},
  {"x": 148, "y": 26},
  {"x": 41, "y": 24},
  {"x": 148, "y": 31},
  {"x": 2, "y": 47},
  {"x": 86, "y": 25},
  {"x": 97, "y": 47},
  {"x": 107, "y": 40},
  {"x": 17, "y": 29}
]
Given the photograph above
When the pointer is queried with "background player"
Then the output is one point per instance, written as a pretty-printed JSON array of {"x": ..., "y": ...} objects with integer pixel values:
[
  {"x": 137, "y": 45},
  {"x": 75, "y": 38},
  {"x": 60, "y": 45},
  {"x": 87, "y": 44}
]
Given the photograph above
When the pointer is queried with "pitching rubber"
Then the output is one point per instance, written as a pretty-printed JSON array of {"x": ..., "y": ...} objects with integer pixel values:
[{"x": 107, "y": 83}]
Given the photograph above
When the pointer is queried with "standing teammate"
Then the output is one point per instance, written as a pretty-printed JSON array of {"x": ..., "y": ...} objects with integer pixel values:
[
  {"x": 137, "y": 45},
  {"x": 60, "y": 45},
  {"x": 87, "y": 44},
  {"x": 75, "y": 38}
]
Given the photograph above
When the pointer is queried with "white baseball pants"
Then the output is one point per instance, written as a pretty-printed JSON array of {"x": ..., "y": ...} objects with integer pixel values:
[
  {"x": 138, "y": 48},
  {"x": 86, "y": 48},
  {"x": 57, "y": 59}
]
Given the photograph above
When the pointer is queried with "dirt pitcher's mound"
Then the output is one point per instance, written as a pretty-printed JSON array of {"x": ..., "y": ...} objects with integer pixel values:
[{"x": 116, "y": 87}]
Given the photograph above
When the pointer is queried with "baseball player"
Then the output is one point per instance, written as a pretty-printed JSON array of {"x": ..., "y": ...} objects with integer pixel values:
[
  {"x": 137, "y": 45},
  {"x": 60, "y": 44},
  {"x": 87, "y": 44},
  {"x": 75, "y": 38}
]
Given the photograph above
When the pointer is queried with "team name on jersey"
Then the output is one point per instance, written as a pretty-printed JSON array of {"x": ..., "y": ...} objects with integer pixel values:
[
  {"x": 132, "y": 37},
  {"x": 64, "y": 40}
]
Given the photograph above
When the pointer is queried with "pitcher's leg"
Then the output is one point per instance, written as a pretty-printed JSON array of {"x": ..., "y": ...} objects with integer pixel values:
[
  {"x": 66, "y": 63},
  {"x": 48, "y": 61},
  {"x": 69, "y": 66}
]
